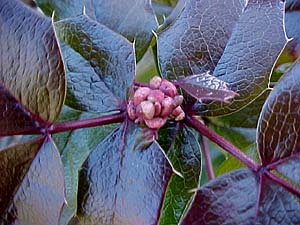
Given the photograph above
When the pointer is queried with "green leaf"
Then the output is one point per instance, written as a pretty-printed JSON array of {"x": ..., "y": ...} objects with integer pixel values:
[
  {"x": 31, "y": 68},
  {"x": 279, "y": 123},
  {"x": 134, "y": 19},
  {"x": 125, "y": 174},
  {"x": 34, "y": 174},
  {"x": 78, "y": 146},
  {"x": 100, "y": 64},
  {"x": 185, "y": 156}
]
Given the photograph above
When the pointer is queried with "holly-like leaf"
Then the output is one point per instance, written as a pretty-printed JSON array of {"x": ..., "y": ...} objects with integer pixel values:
[
  {"x": 185, "y": 156},
  {"x": 33, "y": 176},
  {"x": 206, "y": 87},
  {"x": 239, "y": 197},
  {"x": 194, "y": 43},
  {"x": 78, "y": 146},
  {"x": 31, "y": 68},
  {"x": 226, "y": 27},
  {"x": 122, "y": 182},
  {"x": 134, "y": 19},
  {"x": 100, "y": 64},
  {"x": 246, "y": 117},
  {"x": 279, "y": 124}
]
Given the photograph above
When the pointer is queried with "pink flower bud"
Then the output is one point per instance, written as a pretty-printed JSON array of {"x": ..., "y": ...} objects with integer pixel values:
[
  {"x": 157, "y": 107},
  {"x": 168, "y": 88},
  {"x": 181, "y": 116},
  {"x": 178, "y": 99},
  {"x": 131, "y": 110},
  {"x": 155, "y": 82},
  {"x": 156, "y": 96},
  {"x": 167, "y": 106},
  {"x": 177, "y": 111},
  {"x": 147, "y": 109},
  {"x": 156, "y": 122},
  {"x": 140, "y": 95}
]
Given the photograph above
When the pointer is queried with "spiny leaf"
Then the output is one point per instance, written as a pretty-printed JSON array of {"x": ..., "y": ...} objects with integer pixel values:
[
  {"x": 100, "y": 64},
  {"x": 121, "y": 182},
  {"x": 39, "y": 196},
  {"x": 206, "y": 87},
  {"x": 185, "y": 156},
  {"x": 279, "y": 124},
  {"x": 31, "y": 68},
  {"x": 134, "y": 19},
  {"x": 239, "y": 197}
]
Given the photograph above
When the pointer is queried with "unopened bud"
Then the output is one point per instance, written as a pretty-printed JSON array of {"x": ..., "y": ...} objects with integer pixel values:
[
  {"x": 178, "y": 99},
  {"x": 157, "y": 107},
  {"x": 156, "y": 122},
  {"x": 156, "y": 96},
  {"x": 178, "y": 110},
  {"x": 140, "y": 95},
  {"x": 181, "y": 116},
  {"x": 168, "y": 88},
  {"x": 131, "y": 110},
  {"x": 155, "y": 82},
  {"x": 147, "y": 109},
  {"x": 167, "y": 106}
]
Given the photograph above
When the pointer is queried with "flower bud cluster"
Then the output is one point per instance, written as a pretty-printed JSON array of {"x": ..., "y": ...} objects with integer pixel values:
[{"x": 154, "y": 104}]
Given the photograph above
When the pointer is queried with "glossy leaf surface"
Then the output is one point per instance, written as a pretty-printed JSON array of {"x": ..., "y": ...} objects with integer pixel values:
[
  {"x": 78, "y": 146},
  {"x": 279, "y": 124},
  {"x": 206, "y": 87},
  {"x": 185, "y": 156},
  {"x": 27, "y": 39},
  {"x": 134, "y": 19},
  {"x": 39, "y": 197},
  {"x": 122, "y": 182},
  {"x": 239, "y": 197},
  {"x": 229, "y": 30},
  {"x": 100, "y": 64}
]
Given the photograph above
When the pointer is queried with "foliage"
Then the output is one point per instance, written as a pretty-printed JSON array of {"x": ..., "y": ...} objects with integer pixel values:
[{"x": 66, "y": 84}]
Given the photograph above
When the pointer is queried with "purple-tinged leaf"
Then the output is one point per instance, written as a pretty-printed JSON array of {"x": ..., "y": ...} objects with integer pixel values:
[
  {"x": 206, "y": 87},
  {"x": 239, "y": 197},
  {"x": 14, "y": 164},
  {"x": 134, "y": 19},
  {"x": 194, "y": 43},
  {"x": 100, "y": 64},
  {"x": 279, "y": 123},
  {"x": 31, "y": 68},
  {"x": 291, "y": 169},
  {"x": 185, "y": 155},
  {"x": 39, "y": 196},
  {"x": 122, "y": 182},
  {"x": 14, "y": 118}
]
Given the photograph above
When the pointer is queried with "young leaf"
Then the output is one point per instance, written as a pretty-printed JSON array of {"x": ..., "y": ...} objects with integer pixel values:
[
  {"x": 100, "y": 64},
  {"x": 279, "y": 123},
  {"x": 38, "y": 195},
  {"x": 121, "y": 181},
  {"x": 31, "y": 68},
  {"x": 134, "y": 19},
  {"x": 206, "y": 87},
  {"x": 185, "y": 156},
  {"x": 239, "y": 197}
]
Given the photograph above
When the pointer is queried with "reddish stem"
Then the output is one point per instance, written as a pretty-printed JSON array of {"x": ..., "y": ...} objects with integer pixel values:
[
  {"x": 289, "y": 187},
  {"x": 207, "y": 158},
  {"x": 98, "y": 121},
  {"x": 219, "y": 140}
]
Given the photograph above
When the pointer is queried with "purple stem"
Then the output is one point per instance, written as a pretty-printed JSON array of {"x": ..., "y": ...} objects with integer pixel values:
[
  {"x": 219, "y": 140},
  {"x": 207, "y": 158},
  {"x": 71, "y": 125},
  {"x": 289, "y": 187}
]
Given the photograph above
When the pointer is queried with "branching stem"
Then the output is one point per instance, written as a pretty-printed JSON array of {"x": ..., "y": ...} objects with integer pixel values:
[
  {"x": 219, "y": 140},
  {"x": 71, "y": 125}
]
